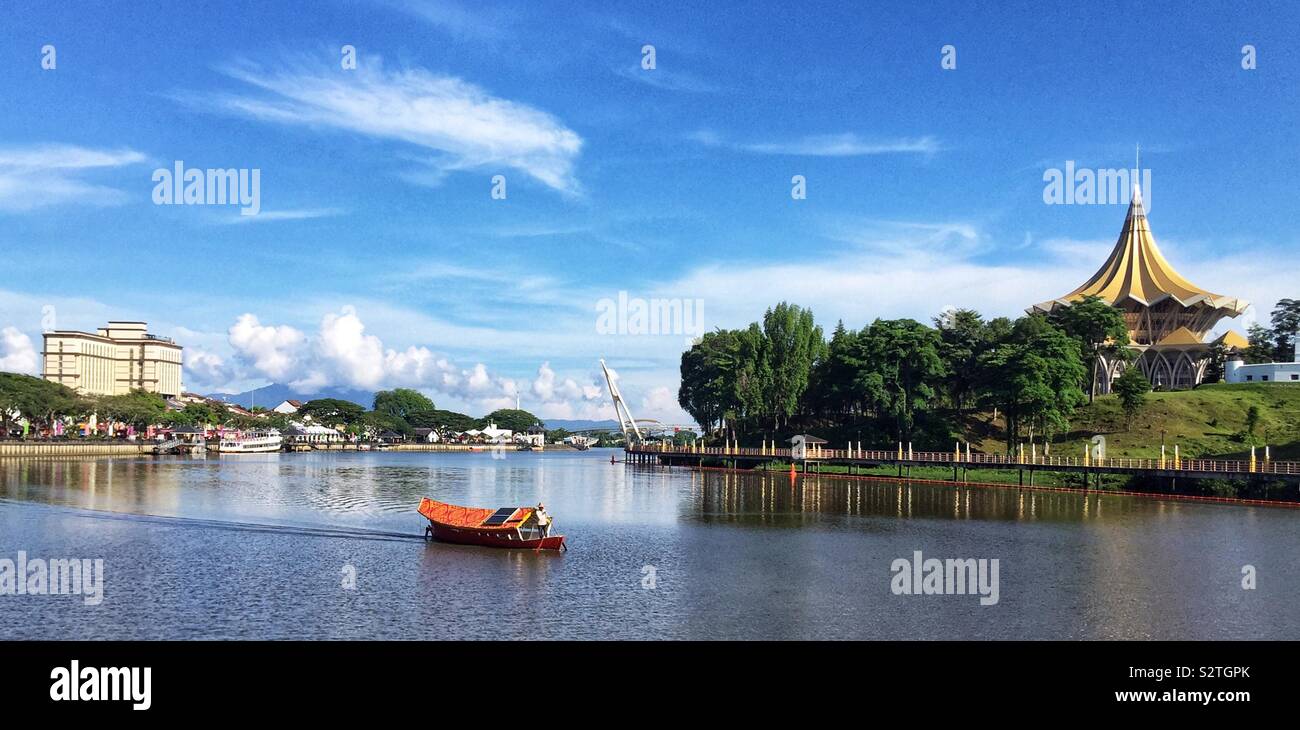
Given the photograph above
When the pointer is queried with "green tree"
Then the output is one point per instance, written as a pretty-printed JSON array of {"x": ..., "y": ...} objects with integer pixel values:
[
  {"x": 1214, "y": 366},
  {"x": 1099, "y": 328},
  {"x": 752, "y": 380},
  {"x": 374, "y": 424},
  {"x": 512, "y": 419},
  {"x": 405, "y": 404},
  {"x": 444, "y": 421},
  {"x": 1262, "y": 344},
  {"x": 331, "y": 411},
  {"x": 794, "y": 346},
  {"x": 1286, "y": 323},
  {"x": 139, "y": 408},
  {"x": 1034, "y": 378},
  {"x": 38, "y": 401},
  {"x": 964, "y": 338},
  {"x": 708, "y": 371},
  {"x": 684, "y": 438},
  {"x": 1131, "y": 387},
  {"x": 899, "y": 371}
]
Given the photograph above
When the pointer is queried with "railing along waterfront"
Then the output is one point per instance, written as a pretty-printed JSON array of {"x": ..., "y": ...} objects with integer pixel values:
[{"x": 1224, "y": 466}]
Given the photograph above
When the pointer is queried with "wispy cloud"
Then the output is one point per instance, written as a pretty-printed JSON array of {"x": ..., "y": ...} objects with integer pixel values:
[
  {"x": 465, "y": 125},
  {"x": 267, "y": 216},
  {"x": 828, "y": 145},
  {"x": 666, "y": 79},
  {"x": 53, "y": 174},
  {"x": 455, "y": 19}
]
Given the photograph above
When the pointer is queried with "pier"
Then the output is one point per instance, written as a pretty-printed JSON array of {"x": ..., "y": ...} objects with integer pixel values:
[{"x": 903, "y": 459}]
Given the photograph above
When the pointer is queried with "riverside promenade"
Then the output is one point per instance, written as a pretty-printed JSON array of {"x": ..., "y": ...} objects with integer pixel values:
[{"x": 959, "y": 460}]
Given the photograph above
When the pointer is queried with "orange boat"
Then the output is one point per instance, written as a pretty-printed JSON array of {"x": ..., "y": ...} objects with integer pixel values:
[{"x": 508, "y": 527}]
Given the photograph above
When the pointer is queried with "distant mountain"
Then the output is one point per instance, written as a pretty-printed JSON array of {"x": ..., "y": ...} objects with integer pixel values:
[
  {"x": 270, "y": 396},
  {"x": 580, "y": 425}
]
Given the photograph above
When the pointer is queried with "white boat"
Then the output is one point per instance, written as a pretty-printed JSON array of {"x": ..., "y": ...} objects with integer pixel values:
[{"x": 253, "y": 442}]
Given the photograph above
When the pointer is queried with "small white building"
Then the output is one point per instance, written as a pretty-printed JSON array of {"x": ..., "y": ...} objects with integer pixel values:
[
  {"x": 1236, "y": 370},
  {"x": 288, "y": 407},
  {"x": 494, "y": 435},
  {"x": 300, "y": 433},
  {"x": 535, "y": 437}
]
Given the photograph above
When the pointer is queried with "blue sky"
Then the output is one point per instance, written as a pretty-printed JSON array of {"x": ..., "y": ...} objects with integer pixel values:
[{"x": 380, "y": 258}]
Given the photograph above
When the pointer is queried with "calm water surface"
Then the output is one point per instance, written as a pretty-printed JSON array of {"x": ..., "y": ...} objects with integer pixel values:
[{"x": 256, "y": 546}]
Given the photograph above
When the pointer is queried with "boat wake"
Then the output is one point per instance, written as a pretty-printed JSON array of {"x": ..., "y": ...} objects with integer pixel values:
[{"x": 332, "y": 531}]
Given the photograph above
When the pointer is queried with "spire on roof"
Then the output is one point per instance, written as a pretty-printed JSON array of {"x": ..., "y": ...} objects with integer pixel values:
[{"x": 1137, "y": 270}]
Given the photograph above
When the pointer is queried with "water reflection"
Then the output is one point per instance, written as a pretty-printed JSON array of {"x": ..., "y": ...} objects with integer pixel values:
[{"x": 768, "y": 499}]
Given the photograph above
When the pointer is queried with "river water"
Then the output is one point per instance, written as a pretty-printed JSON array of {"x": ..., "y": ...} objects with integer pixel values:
[{"x": 261, "y": 547}]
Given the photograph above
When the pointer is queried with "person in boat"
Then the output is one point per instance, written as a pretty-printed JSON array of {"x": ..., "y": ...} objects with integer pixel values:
[{"x": 543, "y": 519}]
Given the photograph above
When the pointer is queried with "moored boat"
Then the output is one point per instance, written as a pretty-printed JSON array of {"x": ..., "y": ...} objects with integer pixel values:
[
  {"x": 508, "y": 527},
  {"x": 253, "y": 442}
]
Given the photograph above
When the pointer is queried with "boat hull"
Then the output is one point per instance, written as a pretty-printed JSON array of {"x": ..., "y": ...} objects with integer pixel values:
[
  {"x": 264, "y": 449},
  {"x": 491, "y": 538}
]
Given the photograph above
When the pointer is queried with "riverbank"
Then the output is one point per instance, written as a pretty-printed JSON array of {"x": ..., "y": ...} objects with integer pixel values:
[
  {"x": 28, "y": 449},
  {"x": 21, "y": 449},
  {"x": 1001, "y": 479}
]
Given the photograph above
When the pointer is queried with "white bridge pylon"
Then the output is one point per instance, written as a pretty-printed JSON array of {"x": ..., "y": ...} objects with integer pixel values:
[{"x": 625, "y": 421}]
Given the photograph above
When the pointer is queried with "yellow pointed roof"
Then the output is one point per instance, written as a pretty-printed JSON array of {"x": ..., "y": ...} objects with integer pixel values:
[
  {"x": 1137, "y": 270},
  {"x": 1232, "y": 338},
  {"x": 1180, "y": 336}
]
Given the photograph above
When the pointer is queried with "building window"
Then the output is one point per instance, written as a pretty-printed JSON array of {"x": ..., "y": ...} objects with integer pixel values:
[
  {"x": 1265, "y": 378},
  {"x": 1250, "y": 377},
  {"x": 1295, "y": 376}
]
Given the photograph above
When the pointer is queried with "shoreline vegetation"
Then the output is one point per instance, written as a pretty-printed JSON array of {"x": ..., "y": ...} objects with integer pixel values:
[
  {"x": 997, "y": 385},
  {"x": 44, "y": 413}
]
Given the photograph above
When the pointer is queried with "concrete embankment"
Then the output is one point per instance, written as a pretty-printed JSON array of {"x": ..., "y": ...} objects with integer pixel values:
[{"x": 11, "y": 449}]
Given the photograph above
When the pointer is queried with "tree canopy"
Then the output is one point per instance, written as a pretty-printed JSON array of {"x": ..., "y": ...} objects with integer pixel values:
[
  {"x": 332, "y": 411},
  {"x": 404, "y": 403},
  {"x": 37, "y": 400},
  {"x": 893, "y": 380},
  {"x": 139, "y": 408},
  {"x": 1099, "y": 328},
  {"x": 511, "y": 418}
]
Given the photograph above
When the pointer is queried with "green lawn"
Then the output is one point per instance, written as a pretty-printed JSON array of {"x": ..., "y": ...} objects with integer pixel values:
[{"x": 1209, "y": 421}]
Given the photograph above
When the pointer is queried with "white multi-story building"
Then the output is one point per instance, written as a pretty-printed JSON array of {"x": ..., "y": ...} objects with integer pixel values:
[{"x": 119, "y": 358}]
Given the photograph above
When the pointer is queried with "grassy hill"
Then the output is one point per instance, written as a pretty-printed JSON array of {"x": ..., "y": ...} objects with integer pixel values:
[{"x": 1209, "y": 421}]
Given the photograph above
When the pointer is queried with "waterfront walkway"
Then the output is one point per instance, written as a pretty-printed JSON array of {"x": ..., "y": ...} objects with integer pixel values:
[{"x": 959, "y": 461}]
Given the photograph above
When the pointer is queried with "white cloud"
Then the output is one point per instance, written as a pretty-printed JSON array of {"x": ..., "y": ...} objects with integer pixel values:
[
  {"x": 660, "y": 402},
  {"x": 52, "y": 174},
  {"x": 466, "y": 126},
  {"x": 204, "y": 370},
  {"x": 17, "y": 354},
  {"x": 268, "y": 216},
  {"x": 272, "y": 351},
  {"x": 551, "y": 389},
  {"x": 827, "y": 145}
]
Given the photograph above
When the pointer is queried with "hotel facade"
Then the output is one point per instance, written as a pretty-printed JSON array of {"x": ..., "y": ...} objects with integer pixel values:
[{"x": 117, "y": 359}]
